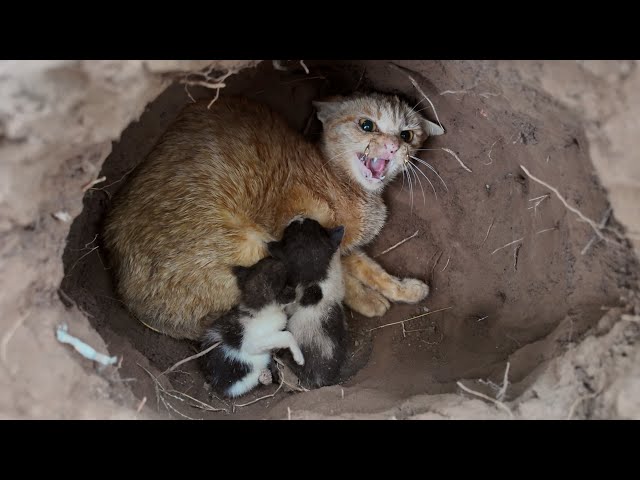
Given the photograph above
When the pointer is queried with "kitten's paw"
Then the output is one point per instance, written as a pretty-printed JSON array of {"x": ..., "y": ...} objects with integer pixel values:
[
  {"x": 369, "y": 304},
  {"x": 412, "y": 290},
  {"x": 265, "y": 377},
  {"x": 297, "y": 356}
]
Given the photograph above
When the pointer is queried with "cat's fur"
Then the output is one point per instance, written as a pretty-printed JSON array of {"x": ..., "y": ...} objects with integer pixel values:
[
  {"x": 249, "y": 332},
  {"x": 317, "y": 319},
  {"x": 223, "y": 182}
]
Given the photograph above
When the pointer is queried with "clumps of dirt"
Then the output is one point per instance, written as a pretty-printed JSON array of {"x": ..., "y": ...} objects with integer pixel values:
[{"x": 511, "y": 278}]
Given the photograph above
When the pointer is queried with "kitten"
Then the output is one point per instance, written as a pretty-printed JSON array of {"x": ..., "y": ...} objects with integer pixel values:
[
  {"x": 249, "y": 332},
  {"x": 317, "y": 320},
  {"x": 223, "y": 182}
]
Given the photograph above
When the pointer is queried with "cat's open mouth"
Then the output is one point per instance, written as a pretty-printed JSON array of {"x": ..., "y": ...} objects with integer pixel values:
[{"x": 373, "y": 168}]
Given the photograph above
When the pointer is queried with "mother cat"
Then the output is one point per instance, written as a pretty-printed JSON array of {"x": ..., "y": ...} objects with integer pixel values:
[{"x": 222, "y": 183}]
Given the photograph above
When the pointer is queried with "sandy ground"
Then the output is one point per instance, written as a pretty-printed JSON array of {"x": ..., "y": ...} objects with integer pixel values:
[{"x": 526, "y": 303}]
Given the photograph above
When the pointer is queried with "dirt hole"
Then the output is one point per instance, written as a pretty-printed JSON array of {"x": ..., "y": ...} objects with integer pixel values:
[{"x": 503, "y": 299}]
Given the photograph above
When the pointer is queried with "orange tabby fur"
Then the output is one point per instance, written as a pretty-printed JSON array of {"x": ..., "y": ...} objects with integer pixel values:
[{"x": 222, "y": 182}]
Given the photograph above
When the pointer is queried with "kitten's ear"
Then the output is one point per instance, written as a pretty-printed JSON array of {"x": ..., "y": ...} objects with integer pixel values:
[
  {"x": 240, "y": 272},
  {"x": 327, "y": 107},
  {"x": 433, "y": 129},
  {"x": 275, "y": 250},
  {"x": 336, "y": 235}
]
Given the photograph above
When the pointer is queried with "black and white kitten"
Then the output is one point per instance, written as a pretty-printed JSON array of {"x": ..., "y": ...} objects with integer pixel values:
[
  {"x": 317, "y": 319},
  {"x": 250, "y": 331}
]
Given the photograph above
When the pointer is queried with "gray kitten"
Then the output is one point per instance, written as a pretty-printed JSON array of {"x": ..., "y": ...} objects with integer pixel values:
[{"x": 317, "y": 320}]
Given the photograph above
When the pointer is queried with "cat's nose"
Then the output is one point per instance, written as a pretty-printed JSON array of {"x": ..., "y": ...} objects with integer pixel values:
[{"x": 392, "y": 146}]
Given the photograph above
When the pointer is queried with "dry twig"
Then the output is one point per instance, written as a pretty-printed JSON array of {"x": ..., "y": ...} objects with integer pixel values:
[
  {"x": 508, "y": 244},
  {"x": 488, "y": 230},
  {"x": 538, "y": 201},
  {"x": 104, "y": 188},
  {"x": 409, "y": 319},
  {"x": 594, "y": 239},
  {"x": 451, "y": 152},
  {"x": 240, "y": 405},
  {"x": 417, "y": 87},
  {"x": 489, "y": 154},
  {"x": 436, "y": 263},
  {"x": 93, "y": 182},
  {"x": 199, "y": 404},
  {"x": 446, "y": 265},
  {"x": 505, "y": 384},
  {"x": 597, "y": 229},
  {"x": 188, "y": 359},
  {"x": 397, "y": 244},
  {"x": 180, "y": 396},
  {"x": 497, "y": 403},
  {"x": 159, "y": 388},
  {"x": 213, "y": 83},
  {"x": 141, "y": 404}
]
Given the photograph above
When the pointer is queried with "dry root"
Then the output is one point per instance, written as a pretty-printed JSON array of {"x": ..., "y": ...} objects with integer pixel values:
[{"x": 207, "y": 81}]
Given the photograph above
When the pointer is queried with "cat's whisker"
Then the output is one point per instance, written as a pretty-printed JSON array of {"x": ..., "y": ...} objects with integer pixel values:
[
  {"x": 410, "y": 190},
  {"x": 422, "y": 109},
  {"x": 450, "y": 152},
  {"x": 428, "y": 165},
  {"x": 402, "y": 170},
  {"x": 417, "y": 178},
  {"x": 423, "y": 174},
  {"x": 335, "y": 157},
  {"x": 413, "y": 109},
  {"x": 410, "y": 174}
]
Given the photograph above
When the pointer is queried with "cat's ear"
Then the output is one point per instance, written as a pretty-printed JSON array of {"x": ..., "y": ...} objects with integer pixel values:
[
  {"x": 433, "y": 129},
  {"x": 336, "y": 235},
  {"x": 240, "y": 272},
  {"x": 327, "y": 107},
  {"x": 275, "y": 250}
]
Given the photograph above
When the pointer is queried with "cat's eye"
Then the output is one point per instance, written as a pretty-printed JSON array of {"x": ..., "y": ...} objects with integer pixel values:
[
  {"x": 367, "y": 125},
  {"x": 406, "y": 135}
]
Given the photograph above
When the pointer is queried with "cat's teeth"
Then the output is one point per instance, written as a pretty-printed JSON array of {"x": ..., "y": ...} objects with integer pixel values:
[
  {"x": 382, "y": 177},
  {"x": 375, "y": 162}
]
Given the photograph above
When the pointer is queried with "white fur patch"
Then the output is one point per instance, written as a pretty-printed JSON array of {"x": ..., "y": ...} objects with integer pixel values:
[
  {"x": 263, "y": 332},
  {"x": 297, "y": 218},
  {"x": 306, "y": 322},
  {"x": 246, "y": 384},
  {"x": 265, "y": 321}
]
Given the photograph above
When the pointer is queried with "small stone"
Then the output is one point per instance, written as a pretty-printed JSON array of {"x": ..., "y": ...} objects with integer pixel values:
[{"x": 62, "y": 216}]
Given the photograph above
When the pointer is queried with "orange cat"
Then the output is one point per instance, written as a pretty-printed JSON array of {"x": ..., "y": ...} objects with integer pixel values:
[{"x": 223, "y": 182}]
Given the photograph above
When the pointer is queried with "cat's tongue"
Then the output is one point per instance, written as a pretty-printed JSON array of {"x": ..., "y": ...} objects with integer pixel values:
[{"x": 376, "y": 165}]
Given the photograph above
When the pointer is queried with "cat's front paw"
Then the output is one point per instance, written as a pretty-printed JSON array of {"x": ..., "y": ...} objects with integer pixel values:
[
  {"x": 265, "y": 377},
  {"x": 412, "y": 290},
  {"x": 297, "y": 356},
  {"x": 369, "y": 303}
]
